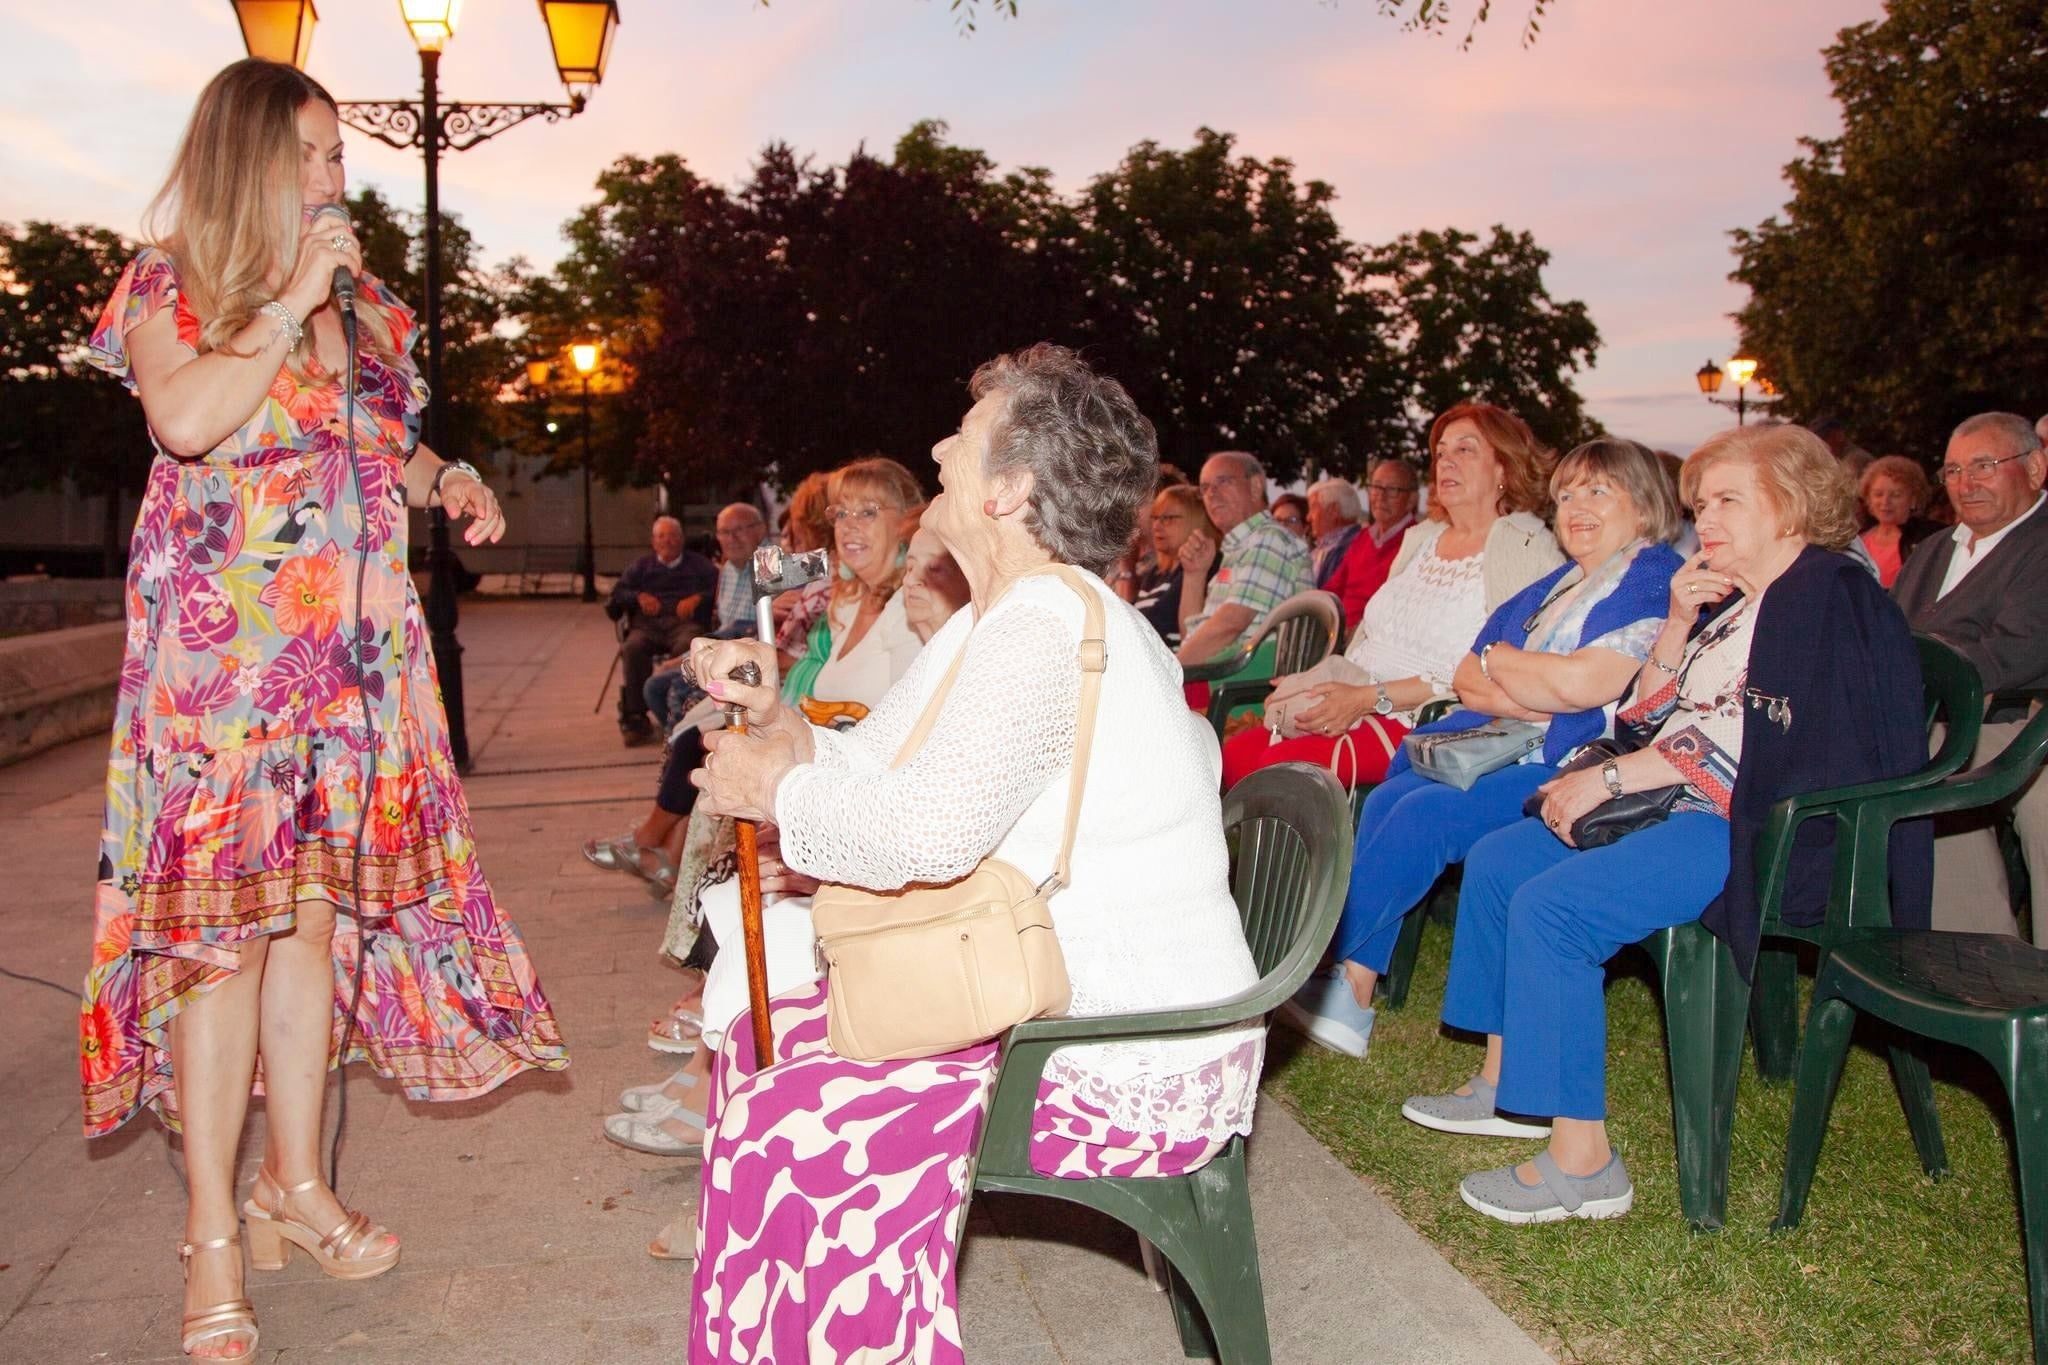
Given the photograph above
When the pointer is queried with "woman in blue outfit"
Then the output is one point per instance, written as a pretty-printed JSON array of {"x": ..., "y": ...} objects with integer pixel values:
[
  {"x": 1558, "y": 653},
  {"x": 1780, "y": 668}
]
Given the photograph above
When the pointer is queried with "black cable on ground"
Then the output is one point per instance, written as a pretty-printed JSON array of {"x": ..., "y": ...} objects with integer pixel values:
[{"x": 39, "y": 981}]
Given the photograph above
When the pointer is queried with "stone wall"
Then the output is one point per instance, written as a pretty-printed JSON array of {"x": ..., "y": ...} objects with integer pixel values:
[
  {"x": 32, "y": 604},
  {"x": 57, "y": 686}
]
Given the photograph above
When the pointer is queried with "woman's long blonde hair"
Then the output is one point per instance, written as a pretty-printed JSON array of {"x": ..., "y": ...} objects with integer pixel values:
[{"x": 228, "y": 214}]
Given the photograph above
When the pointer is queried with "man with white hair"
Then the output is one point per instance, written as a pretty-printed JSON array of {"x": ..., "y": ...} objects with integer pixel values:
[
  {"x": 1264, "y": 563},
  {"x": 1390, "y": 487},
  {"x": 1983, "y": 591},
  {"x": 1333, "y": 513}
]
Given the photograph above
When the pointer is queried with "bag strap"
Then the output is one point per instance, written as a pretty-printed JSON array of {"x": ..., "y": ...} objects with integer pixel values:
[{"x": 1093, "y": 656}]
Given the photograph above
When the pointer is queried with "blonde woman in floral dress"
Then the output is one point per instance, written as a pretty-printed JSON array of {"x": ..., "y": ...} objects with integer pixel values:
[{"x": 283, "y": 813}]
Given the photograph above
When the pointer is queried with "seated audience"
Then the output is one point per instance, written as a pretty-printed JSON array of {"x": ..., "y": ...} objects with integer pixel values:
[
  {"x": 870, "y": 646},
  {"x": 741, "y": 529},
  {"x": 1982, "y": 590},
  {"x": 1291, "y": 511},
  {"x": 1262, "y": 566},
  {"x": 662, "y": 594},
  {"x": 1165, "y": 597},
  {"x": 1894, "y": 490},
  {"x": 1558, "y": 653},
  {"x": 1333, "y": 515},
  {"x": 1780, "y": 668},
  {"x": 1048, "y": 468},
  {"x": 1390, "y": 493},
  {"x": 1485, "y": 542}
]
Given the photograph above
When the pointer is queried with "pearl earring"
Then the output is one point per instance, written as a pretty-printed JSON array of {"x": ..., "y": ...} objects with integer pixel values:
[{"x": 988, "y": 508}]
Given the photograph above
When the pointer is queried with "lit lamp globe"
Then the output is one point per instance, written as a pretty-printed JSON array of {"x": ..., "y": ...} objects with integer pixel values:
[
  {"x": 584, "y": 355},
  {"x": 580, "y": 31},
  {"x": 537, "y": 373},
  {"x": 277, "y": 30},
  {"x": 1741, "y": 369},
  {"x": 1709, "y": 377},
  {"x": 431, "y": 22}
]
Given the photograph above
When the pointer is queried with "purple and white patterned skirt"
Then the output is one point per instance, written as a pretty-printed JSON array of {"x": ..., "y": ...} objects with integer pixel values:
[{"x": 832, "y": 1188}]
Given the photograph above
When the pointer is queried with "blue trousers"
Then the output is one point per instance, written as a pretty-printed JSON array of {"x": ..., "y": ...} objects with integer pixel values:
[
  {"x": 1537, "y": 921},
  {"x": 1409, "y": 830}
]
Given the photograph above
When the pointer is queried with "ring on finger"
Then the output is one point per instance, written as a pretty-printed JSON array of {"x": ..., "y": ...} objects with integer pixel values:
[{"x": 338, "y": 241}]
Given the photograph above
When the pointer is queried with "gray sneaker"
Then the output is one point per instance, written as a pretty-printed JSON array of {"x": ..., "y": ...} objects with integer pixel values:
[
  {"x": 1501, "y": 1194},
  {"x": 1472, "y": 1114}
]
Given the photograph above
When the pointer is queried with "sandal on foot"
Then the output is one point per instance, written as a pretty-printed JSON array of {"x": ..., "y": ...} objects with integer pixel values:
[
  {"x": 615, "y": 854},
  {"x": 680, "y": 1034},
  {"x": 1607, "y": 1193},
  {"x": 647, "y": 1099},
  {"x": 644, "y": 1133},
  {"x": 231, "y": 1321},
  {"x": 678, "y": 1240},
  {"x": 1471, "y": 1114},
  {"x": 343, "y": 1252}
]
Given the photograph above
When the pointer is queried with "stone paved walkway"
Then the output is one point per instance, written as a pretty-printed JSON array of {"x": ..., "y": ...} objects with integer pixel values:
[{"x": 524, "y": 1230}]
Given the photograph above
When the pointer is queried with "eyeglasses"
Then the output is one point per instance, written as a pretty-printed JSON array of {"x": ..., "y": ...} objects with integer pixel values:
[
  {"x": 1976, "y": 471},
  {"x": 1221, "y": 480},
  {"x": 1158, "y": 517},
  {"x": 1390, "y": 490},
  {"x": 1288, "y": 518},
  {"x": 859, "y": 513}
]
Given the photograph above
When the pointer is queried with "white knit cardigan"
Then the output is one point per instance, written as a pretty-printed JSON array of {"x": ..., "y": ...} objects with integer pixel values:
[{"x": 1148, "y": 922}]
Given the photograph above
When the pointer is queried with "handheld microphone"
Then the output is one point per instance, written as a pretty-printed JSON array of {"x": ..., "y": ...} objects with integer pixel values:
[{"x": 344, "y": 278}]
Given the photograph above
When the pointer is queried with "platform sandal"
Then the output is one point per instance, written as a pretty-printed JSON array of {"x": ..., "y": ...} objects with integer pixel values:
[
  {"x": 342, "y": 1252},
  {"x": 229, "y": 1320}
]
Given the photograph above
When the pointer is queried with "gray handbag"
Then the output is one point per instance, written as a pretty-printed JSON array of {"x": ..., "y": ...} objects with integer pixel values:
[{"x": 1458, "y": 758}]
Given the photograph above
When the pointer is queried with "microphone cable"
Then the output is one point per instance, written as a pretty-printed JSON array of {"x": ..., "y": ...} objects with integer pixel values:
[{"x": 355, "y": 1000}]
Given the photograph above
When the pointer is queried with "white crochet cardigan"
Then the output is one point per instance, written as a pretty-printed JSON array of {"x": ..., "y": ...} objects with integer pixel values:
[
  {"x": 1519, "y": 550},
  {"x": 1148, "y": 922}
]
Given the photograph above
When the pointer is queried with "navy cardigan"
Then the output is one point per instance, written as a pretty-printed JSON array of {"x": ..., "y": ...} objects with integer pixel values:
[
  {"x": 1833, "y": 646},
  {"x": 1643, "y": 590}
]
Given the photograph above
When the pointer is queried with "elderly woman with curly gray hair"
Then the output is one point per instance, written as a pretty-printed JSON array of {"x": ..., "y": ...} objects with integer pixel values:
[{"x": 827, "y": 1220}]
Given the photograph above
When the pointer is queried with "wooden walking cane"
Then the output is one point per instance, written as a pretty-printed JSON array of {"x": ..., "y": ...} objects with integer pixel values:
[
  {"x": 775, "y": 572},
  {"x": 748, "y": 858}
]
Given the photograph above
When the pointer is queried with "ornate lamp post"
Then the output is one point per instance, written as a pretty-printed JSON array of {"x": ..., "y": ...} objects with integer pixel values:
[
  {"x": 1742, "y": 370},
  {"x": 584, "y": 356},
  {"x": 580, "y": 33}
]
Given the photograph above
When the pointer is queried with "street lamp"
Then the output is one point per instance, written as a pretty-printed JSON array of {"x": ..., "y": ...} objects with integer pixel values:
[
  {"x": 584, "y": 355},
  {"x": 581, "y": 29},
  {"x": 1742, "y": 370}
]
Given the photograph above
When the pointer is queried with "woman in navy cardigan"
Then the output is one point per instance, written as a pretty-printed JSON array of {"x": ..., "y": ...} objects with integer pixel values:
[
  {"x": 1558, "y": 653},
  {"x": 1780, "y": 668}
]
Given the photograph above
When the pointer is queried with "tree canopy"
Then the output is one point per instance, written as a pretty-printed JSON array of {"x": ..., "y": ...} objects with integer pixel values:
[{"x": 1905, "y": 285}]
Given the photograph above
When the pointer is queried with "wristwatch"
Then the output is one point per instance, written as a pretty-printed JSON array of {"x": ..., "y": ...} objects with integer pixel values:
[
  {"x": 452, "y": 467},
  {"x": 1611, "y": 775},
  {"x": 1385, "y": 705}
]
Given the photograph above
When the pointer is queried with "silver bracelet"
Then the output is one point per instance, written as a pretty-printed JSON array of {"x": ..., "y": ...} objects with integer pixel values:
[
  {"x": 287, "y": 322},
  {"x": 1656, "y": 662},
  {"x": 1484, "y": 671}
]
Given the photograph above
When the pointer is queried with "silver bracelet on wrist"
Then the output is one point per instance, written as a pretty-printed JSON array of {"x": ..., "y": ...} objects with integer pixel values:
[
  {"x": 1484, "y": 671},
  {"x": 1656, "y": 662},
  {"x": 287, "y": 323}
]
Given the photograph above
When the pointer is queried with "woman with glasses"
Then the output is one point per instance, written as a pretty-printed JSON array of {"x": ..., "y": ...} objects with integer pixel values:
[
  {"x": 1484, "y": 542},
  {"x": 1163, "y": 596}
]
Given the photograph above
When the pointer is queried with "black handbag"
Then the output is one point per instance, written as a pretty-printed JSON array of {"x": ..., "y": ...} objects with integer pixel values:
[{"x": 1617, "y": 816}]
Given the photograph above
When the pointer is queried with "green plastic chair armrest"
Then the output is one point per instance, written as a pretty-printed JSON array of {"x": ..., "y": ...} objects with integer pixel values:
[{"x": 1222, "y": 666}]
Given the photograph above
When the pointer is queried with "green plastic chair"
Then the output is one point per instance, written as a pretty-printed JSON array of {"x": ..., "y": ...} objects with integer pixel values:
[
  {"x": 1985, "y": 992},
  {"x": 1290, "y": 863},
  {"x": 1954, "y": 695},
  {"x": 1296, "y": 635},
  {"x": 1706, "y": 1001}
]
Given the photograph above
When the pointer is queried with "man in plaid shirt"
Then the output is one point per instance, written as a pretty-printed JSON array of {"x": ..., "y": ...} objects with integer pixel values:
[
  {"x": 741, "y": 530},
  {"x": 1264, "y": 564}
]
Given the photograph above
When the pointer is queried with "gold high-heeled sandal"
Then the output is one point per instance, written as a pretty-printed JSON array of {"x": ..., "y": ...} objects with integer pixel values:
[
  {"x": 343, "y": 1252},
  {"x": 230, "y": 1318}
]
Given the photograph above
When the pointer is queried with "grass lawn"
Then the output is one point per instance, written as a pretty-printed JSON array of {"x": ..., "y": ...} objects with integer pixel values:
[{"x": 1888, "y": 1264}]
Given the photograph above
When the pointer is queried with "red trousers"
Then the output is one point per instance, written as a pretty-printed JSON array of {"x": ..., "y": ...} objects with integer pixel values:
[{"x": 1359, "y": 755}]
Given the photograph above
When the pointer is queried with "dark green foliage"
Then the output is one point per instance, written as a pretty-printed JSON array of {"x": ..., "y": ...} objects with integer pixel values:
[{"x": 1905, "y": 286}]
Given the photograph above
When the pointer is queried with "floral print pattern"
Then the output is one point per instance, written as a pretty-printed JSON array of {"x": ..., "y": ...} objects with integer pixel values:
[{"x": 267, "y": 711}]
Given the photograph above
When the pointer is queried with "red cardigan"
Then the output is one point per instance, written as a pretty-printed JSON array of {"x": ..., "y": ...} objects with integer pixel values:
[{"x": 1361, "y": 571}]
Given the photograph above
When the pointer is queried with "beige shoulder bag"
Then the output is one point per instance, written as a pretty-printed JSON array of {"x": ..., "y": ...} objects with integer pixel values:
[{"x": 933, "y": 969}]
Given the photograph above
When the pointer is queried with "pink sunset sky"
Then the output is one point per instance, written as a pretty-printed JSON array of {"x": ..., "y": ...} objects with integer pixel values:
[{"x": 1629, "y": 139}]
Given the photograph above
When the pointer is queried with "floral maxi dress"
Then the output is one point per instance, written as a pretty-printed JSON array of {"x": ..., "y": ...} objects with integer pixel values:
[{"x": 247, "y": 741}]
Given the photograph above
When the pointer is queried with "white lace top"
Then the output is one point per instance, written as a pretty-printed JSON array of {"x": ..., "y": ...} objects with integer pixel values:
[
  {"x": 1422, "y": 620},
  {"x": 1148, "y": 922},
  {"x": 881, "y": 655}
]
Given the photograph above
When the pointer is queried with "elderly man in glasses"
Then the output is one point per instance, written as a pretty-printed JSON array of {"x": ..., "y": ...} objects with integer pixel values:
[
  {"x": 663, "y": 595},
  {"x": 1264, "y": 564},
  {"x": 1983, "y": 590},
  {"x": 1390, "y": 491}
]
